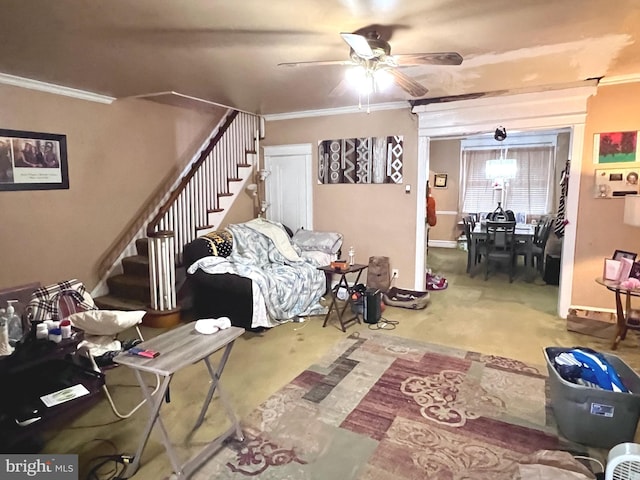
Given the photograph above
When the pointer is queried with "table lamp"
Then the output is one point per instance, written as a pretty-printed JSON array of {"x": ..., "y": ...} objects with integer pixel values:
[{"x": 632, "y": 210}]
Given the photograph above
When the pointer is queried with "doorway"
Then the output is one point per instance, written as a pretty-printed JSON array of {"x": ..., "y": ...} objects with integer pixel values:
[
  {"x": 288, "y": 193},
  {"x": 553, "y": 109}
]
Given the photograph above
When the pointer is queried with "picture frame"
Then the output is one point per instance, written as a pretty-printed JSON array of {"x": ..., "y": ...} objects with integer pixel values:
[
  {"x": 615, "y": 147},
  {"x": 440, "y": 180},
  {"x": 635, "y": 270},
  {"x": 33, "y": 161},
  {"x": 618, "y": 254}
]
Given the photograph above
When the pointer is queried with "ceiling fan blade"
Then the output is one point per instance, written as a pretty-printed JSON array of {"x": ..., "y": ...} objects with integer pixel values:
[
  {"x": 310, "y": 64},
  {"x": 440, "y": 58},
  {"x": 407, "y": 83},
  {"x": 358, "y": 44}
]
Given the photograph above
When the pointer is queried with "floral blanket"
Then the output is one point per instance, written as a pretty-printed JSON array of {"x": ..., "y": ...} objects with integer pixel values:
[{"x": 290, "y": 284}]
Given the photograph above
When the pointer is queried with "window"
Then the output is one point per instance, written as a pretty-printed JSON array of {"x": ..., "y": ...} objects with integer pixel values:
[{"x": 529, "y": 189}]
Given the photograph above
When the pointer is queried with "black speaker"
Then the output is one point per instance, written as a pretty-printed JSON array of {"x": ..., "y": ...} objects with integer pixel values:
[{"x": 372, "y": 310}]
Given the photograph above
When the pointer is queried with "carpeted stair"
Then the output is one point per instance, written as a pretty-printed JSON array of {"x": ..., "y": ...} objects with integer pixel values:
[{"x": 130, "y": 290}]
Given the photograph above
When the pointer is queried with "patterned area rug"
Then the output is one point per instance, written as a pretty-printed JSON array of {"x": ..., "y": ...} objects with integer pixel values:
[{"x": 380, "y": 407}]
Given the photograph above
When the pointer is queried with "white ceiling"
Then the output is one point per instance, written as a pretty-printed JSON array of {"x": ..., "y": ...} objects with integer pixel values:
[{"x": 227, "y": 51}]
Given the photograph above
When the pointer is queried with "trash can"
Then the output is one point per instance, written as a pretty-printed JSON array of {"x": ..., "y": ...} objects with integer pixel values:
[
  {"x": 590, "y": 416},
  {"x": 552, "y": 270}
]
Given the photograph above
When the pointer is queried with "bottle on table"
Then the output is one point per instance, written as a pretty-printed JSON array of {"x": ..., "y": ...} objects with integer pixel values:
[
  {"x": 14, "y": 324},
  {"x": 5, "y": 347}
]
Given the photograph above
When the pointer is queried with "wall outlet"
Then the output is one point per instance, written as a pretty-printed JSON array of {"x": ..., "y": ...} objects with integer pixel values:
[{"x": 395, "y": 273}]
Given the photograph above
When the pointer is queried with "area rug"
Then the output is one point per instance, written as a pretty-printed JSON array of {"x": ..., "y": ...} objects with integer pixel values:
[{"x": 379, "y": 407}]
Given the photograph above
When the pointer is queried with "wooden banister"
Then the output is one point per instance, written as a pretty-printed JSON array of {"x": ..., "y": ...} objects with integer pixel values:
[{"x": 153, "y": 224}]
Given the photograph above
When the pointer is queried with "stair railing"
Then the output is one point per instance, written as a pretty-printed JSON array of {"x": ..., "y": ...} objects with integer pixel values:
[{"x": 187, "y": 208}]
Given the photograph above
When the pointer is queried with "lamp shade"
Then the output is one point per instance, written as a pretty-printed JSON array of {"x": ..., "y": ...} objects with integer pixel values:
[{"x": 632, "y": 210}]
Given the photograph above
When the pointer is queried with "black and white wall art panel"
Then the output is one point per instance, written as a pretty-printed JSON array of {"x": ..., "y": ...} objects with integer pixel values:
[{"x": 360, "y": 160}]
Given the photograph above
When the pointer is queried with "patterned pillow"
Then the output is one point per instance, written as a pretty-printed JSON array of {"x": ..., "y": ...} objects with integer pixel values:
[{"x": 219, "y": 243}]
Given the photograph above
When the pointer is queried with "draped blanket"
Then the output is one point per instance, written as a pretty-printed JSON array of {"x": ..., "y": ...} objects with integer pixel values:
[{"x": 290, "y": 285}]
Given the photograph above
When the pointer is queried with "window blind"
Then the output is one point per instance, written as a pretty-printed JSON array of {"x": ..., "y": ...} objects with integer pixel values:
[{"x": 531, "y": 190}]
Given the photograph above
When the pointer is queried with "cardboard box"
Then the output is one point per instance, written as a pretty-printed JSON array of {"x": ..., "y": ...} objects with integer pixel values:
[{"x": 592, "y": 322}]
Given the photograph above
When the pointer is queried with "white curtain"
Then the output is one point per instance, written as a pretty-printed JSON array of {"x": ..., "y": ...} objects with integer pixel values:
[
  {"x": 532, "y": 189},
  {"x": 477, "y": 194},
  {"x": 530, "y": 192}
]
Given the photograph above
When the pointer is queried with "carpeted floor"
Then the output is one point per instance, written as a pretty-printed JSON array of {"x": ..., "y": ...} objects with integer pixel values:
[
  {"x": 378, "y": 406},
  {"x": 494, "y": 317}
]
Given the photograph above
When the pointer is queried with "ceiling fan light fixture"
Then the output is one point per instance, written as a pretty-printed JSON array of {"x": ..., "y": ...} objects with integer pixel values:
[
  {"x": 361, "y": 79},
  {"x": 383, "y": 79}
]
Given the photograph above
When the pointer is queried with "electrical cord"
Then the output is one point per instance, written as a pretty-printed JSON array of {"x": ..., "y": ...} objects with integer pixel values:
[
  {"x": 384, "y": 324},
  {"x": 120, "y": 463},
  {"x": 590, "y": 459},
  {"x": 114, "y": 472}
]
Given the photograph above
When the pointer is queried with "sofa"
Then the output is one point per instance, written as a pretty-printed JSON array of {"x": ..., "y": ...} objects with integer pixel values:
[{"x": 259, "y": 274}]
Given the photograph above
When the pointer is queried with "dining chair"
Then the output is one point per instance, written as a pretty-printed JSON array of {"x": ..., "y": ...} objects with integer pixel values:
[
  {"x": 473, "y": 245},
  {"x": 500, "y": 247},
  {"x": 540, "y": 238},
  {"x": 466, "y": 222}
]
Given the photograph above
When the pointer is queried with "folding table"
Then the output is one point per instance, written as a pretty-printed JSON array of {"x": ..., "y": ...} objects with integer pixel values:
[{"x": 180, "y": 348}]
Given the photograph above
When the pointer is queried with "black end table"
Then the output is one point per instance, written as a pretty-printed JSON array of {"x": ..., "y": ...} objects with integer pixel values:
[{"x": 328, "y": 270}]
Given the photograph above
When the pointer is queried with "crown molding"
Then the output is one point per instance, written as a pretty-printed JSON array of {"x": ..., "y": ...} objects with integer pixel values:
[
  {"x": 22, "y": 82},
  {"x": 177, "y": 99},
  {"x": 619, "y": 79},
  {"x": 548, "y": 109},
  {"x": 335, "y": 111}
]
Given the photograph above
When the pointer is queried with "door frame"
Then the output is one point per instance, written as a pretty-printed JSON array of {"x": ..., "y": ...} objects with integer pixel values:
[
  {"x": 305, "y": 149},
  {"x": 552, "y": 109}
]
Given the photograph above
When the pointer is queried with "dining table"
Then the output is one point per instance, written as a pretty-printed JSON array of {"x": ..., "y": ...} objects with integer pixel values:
[{"x": 524, "y": 235}]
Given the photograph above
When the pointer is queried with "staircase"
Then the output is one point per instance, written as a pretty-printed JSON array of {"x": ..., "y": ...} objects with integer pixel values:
[
  {"x": 197, "y": 205},
  {"x": 129, "y": 290}
]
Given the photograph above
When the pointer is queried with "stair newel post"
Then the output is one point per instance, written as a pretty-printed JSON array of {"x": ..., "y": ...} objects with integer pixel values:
[{"x": 162, "y": 275}]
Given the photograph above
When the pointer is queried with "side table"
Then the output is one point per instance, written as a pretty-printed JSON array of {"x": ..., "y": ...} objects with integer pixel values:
[
  {"x": 37, "y": 368},
  {"x": 622, "y": 322},
  {"x": 328, "y": 270}
]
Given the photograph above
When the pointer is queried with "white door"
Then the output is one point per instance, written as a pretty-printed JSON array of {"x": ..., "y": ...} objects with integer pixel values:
[{"x": 288, "y": 185}]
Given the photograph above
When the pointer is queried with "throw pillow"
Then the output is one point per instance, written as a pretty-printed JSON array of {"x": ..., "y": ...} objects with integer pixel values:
[
  {"x": 220, "y": 243},
  {"x": 106, "y": 322}
]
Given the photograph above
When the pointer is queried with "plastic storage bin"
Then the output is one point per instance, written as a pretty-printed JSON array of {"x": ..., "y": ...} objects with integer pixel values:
[{"x": 593, "y": 417}]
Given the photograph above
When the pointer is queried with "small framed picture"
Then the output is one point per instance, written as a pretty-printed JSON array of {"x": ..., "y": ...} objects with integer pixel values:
[
  {"x": 635, "y": 270},
  {"x": 618, "y": 254},
  {"x": 440, "y": 180}
]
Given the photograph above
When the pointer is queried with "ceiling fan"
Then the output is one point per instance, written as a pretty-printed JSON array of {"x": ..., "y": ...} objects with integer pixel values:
[{"x": 373, "y": 54}]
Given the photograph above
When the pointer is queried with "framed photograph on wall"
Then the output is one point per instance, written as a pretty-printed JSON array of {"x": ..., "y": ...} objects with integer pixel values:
[
  {"x": 618, "y": 254},
  {"x": 615, "y": 147},
  {"x": 440, "y": 180},
  {"x": 33, "y": 161}
]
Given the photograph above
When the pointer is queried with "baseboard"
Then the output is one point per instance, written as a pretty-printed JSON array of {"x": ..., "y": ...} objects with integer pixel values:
[
  {"x": 443, "y": 243},
  {"x": 590, "y": 308}
]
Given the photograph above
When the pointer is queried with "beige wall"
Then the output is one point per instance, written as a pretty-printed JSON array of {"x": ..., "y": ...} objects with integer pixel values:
[
  {"x": 118, "y": 155},
  {"x": 241, "y": 211},
  {"x": 600, "y": 227},
  {"x": 444, "y": 157},
  {"x": 375, "y": 219}
]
